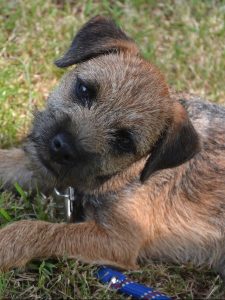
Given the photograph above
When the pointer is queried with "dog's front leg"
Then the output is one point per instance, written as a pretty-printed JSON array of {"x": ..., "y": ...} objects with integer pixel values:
[
  {"x": 17, "y": 167},
  {"x": 90, "y": 242},
  {"x": 14, "y": 167}
]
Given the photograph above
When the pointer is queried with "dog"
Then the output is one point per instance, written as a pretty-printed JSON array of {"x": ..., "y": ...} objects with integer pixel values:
[{"x": 148, "y": 164}]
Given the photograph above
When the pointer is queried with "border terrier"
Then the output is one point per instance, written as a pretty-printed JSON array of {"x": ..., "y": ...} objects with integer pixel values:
[{"x": 148, "y": 164}]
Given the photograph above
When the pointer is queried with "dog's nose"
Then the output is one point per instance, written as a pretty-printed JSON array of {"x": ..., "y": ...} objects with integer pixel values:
[{"x": 62, "y": 149}]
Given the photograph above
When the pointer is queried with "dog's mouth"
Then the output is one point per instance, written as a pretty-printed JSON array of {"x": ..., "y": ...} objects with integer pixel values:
[
  {"x": 47, "y": 165},
  {"x": 81, "y": 174},
  {"x": 65, "y": 178}
]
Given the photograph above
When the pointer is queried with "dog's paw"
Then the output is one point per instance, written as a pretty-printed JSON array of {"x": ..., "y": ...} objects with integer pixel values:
[{"x": 15, "y": 245}]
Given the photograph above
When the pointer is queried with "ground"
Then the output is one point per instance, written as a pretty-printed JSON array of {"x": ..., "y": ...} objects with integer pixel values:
[{"x": 185, "y": 39}]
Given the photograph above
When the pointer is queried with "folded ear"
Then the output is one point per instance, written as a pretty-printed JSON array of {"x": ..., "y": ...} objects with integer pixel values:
[
  {"x": 98, "y": 36},
  {"x": 178, "y": 143}
]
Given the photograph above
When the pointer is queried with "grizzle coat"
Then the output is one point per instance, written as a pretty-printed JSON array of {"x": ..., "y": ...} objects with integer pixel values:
[{"x": 149, "y": 165}]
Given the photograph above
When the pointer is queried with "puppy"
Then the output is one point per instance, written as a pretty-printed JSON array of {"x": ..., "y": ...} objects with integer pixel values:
[{"x": 148, "y": 165}]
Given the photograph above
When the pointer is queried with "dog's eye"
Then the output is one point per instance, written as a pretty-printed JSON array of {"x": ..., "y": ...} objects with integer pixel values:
[
  {"x": 123, "y": 142},
  {"x": 85, "y": 93}
]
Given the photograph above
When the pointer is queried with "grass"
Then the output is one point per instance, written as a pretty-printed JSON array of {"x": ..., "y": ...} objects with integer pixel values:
[{"x": 184, "y": 38}]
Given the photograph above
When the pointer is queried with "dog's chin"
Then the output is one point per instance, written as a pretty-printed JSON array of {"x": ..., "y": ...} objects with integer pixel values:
[
  {"x": 48, "y": 166},
  {"x": 65, "y": 177},
  {"x": 77, "y": 175},
  {"x": 87, "y": 184}
]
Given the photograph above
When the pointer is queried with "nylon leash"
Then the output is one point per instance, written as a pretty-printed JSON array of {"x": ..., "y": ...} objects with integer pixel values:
[{"x": 118, "y": 281}]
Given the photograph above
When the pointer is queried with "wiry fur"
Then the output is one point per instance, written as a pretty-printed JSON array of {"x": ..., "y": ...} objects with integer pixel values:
[{"x": 175, "y": 214}]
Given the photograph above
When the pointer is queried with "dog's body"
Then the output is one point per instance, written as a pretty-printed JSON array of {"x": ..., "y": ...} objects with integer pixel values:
[{"x": 176, "y": 213}]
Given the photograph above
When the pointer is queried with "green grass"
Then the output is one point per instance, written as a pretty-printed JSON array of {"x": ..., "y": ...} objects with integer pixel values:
[{"x": 184, "y": 38}]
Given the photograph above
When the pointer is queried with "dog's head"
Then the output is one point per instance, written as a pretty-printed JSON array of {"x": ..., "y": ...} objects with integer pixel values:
[{"x": 110, "y": 111}]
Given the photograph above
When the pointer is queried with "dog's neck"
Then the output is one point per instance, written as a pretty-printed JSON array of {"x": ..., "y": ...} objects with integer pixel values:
[
  {"x": 119, "y": 181},
  {"x": 107, "y": 193}
]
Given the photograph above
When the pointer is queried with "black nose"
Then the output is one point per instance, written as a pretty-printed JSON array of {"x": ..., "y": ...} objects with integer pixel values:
[{"x": 62, "y": 148}]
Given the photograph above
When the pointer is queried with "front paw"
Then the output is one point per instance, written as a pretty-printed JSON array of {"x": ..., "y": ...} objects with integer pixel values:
[{"x": 16, "y": 245}]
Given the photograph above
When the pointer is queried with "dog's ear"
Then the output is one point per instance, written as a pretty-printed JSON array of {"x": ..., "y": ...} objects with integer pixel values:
[
  {"x": 177, "y": 144},
  {"x": 98, "y": 36}
]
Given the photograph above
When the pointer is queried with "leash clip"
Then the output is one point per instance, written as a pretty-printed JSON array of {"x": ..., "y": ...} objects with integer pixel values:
[{"x": 69, "y": 197}]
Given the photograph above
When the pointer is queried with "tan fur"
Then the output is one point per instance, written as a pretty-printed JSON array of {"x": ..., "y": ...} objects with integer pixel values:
[{"x": 177, "y": 214}]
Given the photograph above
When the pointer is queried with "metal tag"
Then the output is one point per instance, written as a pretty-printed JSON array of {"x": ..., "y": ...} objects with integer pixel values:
[{"x": 69, "y": 196}]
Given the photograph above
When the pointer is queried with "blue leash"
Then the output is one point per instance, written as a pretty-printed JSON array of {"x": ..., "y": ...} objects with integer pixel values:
[{"x": 120, "y": 282}]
